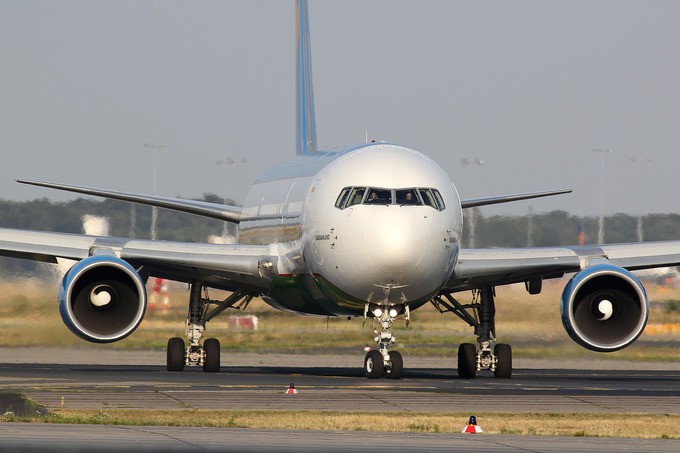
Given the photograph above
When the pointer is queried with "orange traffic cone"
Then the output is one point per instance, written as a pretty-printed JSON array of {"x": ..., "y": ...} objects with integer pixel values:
[
  {"x": 472, "y": 427},
  {"x": 291, "y": 390}
]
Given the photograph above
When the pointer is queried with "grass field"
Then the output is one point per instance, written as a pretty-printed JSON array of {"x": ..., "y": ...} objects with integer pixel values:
[
  {"x": 577, "y": 425},
  {"x": 29, "y": 316}
]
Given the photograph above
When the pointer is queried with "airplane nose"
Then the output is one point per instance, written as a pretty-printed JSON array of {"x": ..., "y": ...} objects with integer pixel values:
[{"x": 393, "y": 242}]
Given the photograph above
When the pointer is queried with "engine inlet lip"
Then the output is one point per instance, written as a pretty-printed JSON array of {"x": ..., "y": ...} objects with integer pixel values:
[
  {"x": 575, "y": 285},
  {"x": 81, "y": 268}
]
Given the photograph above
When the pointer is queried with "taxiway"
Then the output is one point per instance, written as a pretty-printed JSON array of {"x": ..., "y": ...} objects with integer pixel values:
[{"x": 105, "y": 378}]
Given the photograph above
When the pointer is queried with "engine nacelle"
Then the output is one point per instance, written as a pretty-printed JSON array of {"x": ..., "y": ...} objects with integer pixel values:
[
  {"x": 102, "y": 299},
  {"x": 604, "y": 308}
]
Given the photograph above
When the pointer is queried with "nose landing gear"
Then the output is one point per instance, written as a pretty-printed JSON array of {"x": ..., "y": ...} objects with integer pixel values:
[{"x": 382, "y": 362}]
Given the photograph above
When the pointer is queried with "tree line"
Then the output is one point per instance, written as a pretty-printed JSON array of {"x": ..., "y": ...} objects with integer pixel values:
[
  {"x": 124, "y": 219},
  {"x": 562, "y": 228}
]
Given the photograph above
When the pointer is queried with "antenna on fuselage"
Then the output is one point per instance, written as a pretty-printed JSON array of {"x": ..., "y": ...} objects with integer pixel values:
[{"x": 305, "y": 137}]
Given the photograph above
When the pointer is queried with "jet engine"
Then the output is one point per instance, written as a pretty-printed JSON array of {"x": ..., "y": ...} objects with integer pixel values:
[
  {"x": 604, "y": 308},
  {"x": 102, "y": 299}
]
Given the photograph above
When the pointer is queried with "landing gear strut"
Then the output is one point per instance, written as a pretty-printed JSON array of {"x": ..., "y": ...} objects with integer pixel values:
[
  {"x": 470, "y": 358},
  {"x": 207, "y": 354},
  {"x": 382, "y": 362}
]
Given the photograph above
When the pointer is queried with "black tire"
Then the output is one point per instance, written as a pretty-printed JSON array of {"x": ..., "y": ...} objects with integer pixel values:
[
  {"x": 467, "y": 360},
  {"x": 176, "y": 352},
  {"x": 503, "y": 353},
  {"x": 211, "y": 347},
  {"x": 397, "y": 365},
  {"x": 374, "y": 365}
]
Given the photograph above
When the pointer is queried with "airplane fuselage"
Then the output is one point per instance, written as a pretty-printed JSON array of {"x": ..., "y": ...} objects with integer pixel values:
[{"x": 343, "y": 249}]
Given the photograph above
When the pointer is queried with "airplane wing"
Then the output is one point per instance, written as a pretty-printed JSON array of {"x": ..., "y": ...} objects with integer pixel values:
[
  {"x": 475, "y": 202},
  {"x": 202, "y": 208},
  {"x": 230, "y": 267},
  {"x": 501, "y": 266}
]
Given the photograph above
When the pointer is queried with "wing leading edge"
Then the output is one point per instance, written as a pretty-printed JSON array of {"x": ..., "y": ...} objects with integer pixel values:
[
  {"x": 222, "y": 266},
  {"x": 477, "y": 268},
  {"x": 202, "y": 208},
  {"x": 475, "y": 202}
]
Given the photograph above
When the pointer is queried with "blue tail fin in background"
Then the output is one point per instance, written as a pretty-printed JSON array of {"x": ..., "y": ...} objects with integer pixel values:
[{"x": 305, "y": 140}]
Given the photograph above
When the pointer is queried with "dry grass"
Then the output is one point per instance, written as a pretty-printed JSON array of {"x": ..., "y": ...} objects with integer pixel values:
[
  {"x": 29, "y": 317},
  {"x": 600, "y": 425}
]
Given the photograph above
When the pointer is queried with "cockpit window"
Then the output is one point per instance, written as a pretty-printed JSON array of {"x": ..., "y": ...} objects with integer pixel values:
[
  {"x": 350, "y": 196},
  {"x": 379, "y": 196},
  {"x": 432, "y": 197},
  {"x": 428, "y": 198},
  {"x": 407, "y": 196},
  {"x": 341, "y": 202},
  {"x": 356, "y": 196},
  {"x": 440, "y": 200}
]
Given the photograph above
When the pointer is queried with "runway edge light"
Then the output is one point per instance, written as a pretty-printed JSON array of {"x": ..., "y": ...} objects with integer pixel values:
[
  {"x": 291, "y": 390},
  {"x": 472, "y": 427}
]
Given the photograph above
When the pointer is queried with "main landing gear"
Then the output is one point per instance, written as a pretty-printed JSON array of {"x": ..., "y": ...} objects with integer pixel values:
[
  {"x": 470, "y": 358},
  {"x": 382, "y": 362},
  {"x": 206, "y": 355}
]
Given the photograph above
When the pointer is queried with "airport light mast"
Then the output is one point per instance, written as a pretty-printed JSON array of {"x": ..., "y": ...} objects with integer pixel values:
[
  {"x": 600, "y": 229},
  {"x": 228, "y": 162},
  {"x": 641, "y": 162},
  {"x": 154, "y": 209},
  {"x": 472, "y": 213}
]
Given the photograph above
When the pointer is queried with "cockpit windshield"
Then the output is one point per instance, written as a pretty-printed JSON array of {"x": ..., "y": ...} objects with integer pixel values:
[
  {"x": 379, "y": 196},
  {"x": 350, "y": 196},
  {"x": 407, "y": 196}
]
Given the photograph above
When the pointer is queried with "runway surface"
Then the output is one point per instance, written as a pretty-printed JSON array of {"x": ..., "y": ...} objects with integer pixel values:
[
  {"x": 98, "y": 379},
  {"x": 425, "y": 387}
]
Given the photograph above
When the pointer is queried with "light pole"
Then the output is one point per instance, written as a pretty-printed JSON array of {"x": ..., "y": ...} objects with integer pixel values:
[
  {"x": 530, "y": 227},
  {"x": 641, "y": 195},
  {"x": 154, "y": 210},
  {"x": 600, "y": 230},
  {"x": 472, "y": 217},
  {"x": 228, "y": 162}
]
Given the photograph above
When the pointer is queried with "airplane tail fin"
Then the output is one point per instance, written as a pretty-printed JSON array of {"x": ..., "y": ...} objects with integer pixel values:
[{"x": 304, "y": 93}]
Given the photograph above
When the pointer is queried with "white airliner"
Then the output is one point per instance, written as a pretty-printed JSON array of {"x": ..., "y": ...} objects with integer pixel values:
[{"x": 371, "y": 231}]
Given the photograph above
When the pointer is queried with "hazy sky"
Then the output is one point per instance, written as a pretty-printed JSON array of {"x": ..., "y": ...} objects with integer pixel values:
[{"x": 530, "y": 87}]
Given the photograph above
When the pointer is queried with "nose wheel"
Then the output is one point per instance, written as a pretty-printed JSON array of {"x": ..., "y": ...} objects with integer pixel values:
[
  {"x": 383, "y": 362},
  {"x": 376, "y": 365}
]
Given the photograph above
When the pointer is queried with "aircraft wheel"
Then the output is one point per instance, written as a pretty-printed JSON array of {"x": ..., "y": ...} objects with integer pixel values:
[
  {"x": 374, "y": 365},
  {"x": 211, "y": 347},
  {"x": 176, "y": 351},
  {"x": 467, "y": 360},
  {"x": 503, "y": 353},
  {"x": 395, "y": 370}
]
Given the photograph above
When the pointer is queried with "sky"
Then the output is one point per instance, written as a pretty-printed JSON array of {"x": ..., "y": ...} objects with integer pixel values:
[{"x": 91, "y": 90}]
